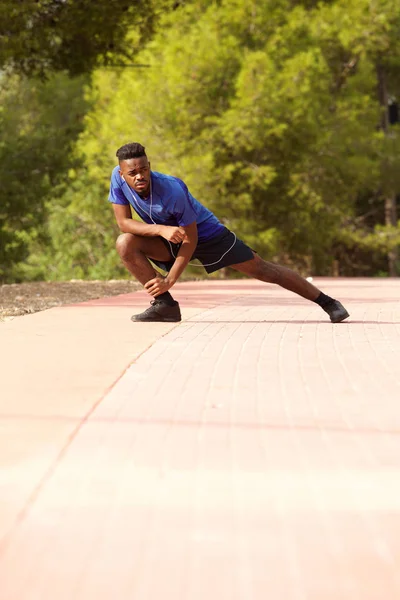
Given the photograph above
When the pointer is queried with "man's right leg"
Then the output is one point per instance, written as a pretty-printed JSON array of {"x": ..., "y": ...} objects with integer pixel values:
[{"x": 135, "y": 251}]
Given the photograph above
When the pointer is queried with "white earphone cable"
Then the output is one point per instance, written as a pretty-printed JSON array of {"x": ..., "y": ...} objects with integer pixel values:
[{"x": 169, "y": 243}]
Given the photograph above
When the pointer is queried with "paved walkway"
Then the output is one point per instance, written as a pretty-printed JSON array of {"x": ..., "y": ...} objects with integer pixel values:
[{"x": 250, "y": 452}]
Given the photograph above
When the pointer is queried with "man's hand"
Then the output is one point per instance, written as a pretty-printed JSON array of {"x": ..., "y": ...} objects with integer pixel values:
[
  {"x": 173, "y": 234},
  {"x": 158, "y": 285}
]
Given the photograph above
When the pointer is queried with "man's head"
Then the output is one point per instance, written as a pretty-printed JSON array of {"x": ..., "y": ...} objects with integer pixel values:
[{"x": 134, "y": 167}]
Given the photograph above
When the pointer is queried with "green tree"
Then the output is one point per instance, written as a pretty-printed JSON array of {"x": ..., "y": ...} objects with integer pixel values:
[
  {"x": 39, "y": 123},
  {"x": 371, "y": 33},
  {"x": 41, "y": 36},
  {"x": 270, "y": 113}
]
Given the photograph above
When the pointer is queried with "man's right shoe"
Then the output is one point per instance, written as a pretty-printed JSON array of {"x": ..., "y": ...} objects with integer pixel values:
[
  {"x": 159, "y": 312},
  {"x": 336, "y": 311}
]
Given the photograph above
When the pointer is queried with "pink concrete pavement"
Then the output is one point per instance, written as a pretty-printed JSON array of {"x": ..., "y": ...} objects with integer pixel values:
[{"x": 252, "y": 451}]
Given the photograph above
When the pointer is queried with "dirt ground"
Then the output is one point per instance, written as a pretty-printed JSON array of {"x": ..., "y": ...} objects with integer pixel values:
[{"x": 24, "y": 298}]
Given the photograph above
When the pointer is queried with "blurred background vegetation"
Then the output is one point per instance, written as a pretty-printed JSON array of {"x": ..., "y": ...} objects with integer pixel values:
[{"x": 281, "y": 116}]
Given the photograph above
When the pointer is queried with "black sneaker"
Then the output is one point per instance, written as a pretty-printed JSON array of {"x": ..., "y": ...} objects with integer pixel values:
[
  {"x": 159, "y": 312},
  {"x": 336, "y": 311}
]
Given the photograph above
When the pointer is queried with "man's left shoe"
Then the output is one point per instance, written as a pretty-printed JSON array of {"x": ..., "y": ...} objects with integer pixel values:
[{"x": 336, "y": 311}]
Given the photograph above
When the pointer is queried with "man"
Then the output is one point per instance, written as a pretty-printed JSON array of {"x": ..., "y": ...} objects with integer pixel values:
[{"x": 176, "y": 229}]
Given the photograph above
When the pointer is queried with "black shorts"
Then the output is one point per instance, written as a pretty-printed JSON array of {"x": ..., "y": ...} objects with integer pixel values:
[{"x": 221, "y": 251}]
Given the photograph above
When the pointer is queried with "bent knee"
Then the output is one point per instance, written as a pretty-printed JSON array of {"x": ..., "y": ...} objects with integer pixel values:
[{"x": 125, "y": 243}]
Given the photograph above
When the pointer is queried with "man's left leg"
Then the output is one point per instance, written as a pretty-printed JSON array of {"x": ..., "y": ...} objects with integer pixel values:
[{"x": 288, "y": 279}]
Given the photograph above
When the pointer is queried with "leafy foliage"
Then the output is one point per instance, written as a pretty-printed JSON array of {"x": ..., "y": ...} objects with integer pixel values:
[
  {"x": 271, "y": 114},
  {"x": 41, "y": 36},
  {"x": 39, "y": 123}
]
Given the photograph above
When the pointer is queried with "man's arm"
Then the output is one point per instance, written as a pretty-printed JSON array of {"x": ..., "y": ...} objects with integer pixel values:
[
  {"x": 159, "y": 284},
  {"x": 126, "y": 224}
]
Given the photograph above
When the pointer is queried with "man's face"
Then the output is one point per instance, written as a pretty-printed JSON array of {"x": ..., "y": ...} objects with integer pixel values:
[{"x": 136, "y": 172}]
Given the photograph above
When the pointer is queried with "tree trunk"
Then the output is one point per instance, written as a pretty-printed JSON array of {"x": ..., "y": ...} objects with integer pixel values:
[
  {"x": 391, "y": 219},
  {"x": 390, "y": 197}
]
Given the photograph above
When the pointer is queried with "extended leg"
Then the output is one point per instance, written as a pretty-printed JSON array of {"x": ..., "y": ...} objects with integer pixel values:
[{"x": 288, "y": 279}]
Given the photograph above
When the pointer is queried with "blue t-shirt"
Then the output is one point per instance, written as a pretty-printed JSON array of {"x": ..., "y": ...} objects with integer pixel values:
[{"x": 171, "y": 203}]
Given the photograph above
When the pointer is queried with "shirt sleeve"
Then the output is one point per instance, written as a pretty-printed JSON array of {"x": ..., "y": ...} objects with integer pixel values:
[
  {"x": 184, "y": 209},
  {"x": 116, "y": 195}
]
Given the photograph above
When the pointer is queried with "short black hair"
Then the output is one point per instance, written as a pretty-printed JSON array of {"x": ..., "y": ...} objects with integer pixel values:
[{"x": 132, "y": 150}]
